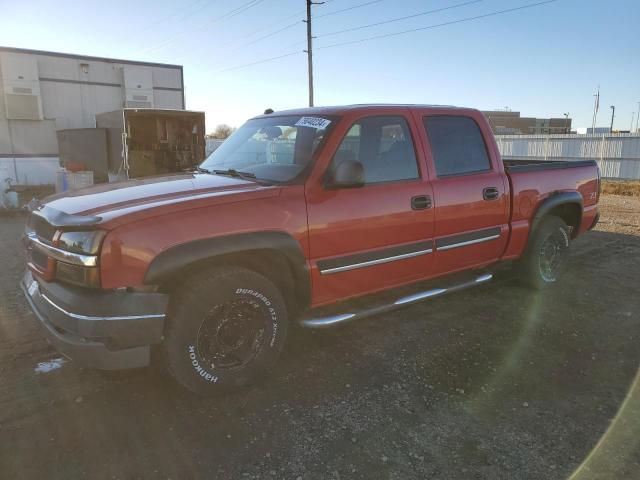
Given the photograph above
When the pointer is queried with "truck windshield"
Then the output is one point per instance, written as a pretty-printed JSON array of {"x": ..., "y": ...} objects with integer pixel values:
[{"x": 276, "y": 149}]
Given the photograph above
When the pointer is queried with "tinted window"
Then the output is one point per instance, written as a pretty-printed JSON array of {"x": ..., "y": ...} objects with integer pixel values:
[
  {"x": 383, "y": 145},
  {"x": 457, "y": 145}
]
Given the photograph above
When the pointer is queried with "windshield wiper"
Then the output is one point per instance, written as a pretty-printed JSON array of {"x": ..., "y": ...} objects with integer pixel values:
[
  {"x": 235, "y": 173},
  {"x": 250, "y": 177}
]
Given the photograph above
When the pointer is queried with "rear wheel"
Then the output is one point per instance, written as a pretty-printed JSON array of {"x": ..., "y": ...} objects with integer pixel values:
[
  {"x": 547, "y": 253},
  {"x": 225, "y": 326}
]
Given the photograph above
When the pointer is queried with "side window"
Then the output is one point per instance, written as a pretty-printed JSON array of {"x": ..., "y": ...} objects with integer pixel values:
[
  {"x": 384, "y": 147},
  {"x": 457, "y": 145}
]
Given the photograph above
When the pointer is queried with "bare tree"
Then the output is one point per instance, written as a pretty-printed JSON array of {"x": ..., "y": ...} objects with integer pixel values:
[{"x": 222, "y": 131}]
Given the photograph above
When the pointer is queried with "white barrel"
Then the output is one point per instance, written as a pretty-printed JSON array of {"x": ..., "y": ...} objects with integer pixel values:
[
  {"x": 4, "y": 178},
  {"x": 11, "y": 200},
  {"x": 4, "y": 184},
  {"x": 62, "y": 181}
]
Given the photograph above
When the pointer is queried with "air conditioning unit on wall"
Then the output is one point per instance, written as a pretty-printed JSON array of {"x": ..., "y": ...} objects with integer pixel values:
[
  {"x": 21, "y": 87},
  {"x": 138, "y": 86},
  {"x": 137, "y": 100}
]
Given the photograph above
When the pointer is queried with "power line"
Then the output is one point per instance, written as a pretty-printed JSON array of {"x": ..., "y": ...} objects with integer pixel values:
[
  {"x": 397, "y": 19},
  {"x": 467, "y": 19},
  {"x": 282, "y": 20},
  {"x": 299, "y": 13},
  {"x": 182, "y": 17},
  {"x": 335, "y": 13},
  {"x": 237, "y": 67},
  {"x": 291, "y": 25},
  {"x": 230, "y": 14},
  {"x": 347, "y": 9},
  {"x": 269, "y": 35}
]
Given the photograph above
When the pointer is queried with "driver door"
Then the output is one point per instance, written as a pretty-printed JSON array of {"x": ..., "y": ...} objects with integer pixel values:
[{"x": 379, "y": 235}]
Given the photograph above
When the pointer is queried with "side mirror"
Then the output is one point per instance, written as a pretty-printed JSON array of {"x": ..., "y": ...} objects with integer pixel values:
[{"x": 347, "y": 174}]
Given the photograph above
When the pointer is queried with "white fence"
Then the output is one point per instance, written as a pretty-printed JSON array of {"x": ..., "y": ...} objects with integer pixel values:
[
  {"x": 617, "y": 155},
  {"x": 212, "y": 145}
]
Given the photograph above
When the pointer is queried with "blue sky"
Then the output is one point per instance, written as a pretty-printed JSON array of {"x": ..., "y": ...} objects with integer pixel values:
[{"x": 542, "y": 61}]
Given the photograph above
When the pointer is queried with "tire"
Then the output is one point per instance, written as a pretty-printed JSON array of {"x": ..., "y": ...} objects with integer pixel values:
[
  {"x": 225, "y": 326},
  {"x": 546, "y": 256}
]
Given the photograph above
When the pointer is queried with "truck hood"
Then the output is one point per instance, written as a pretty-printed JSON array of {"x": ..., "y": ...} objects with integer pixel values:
[{"x": 105, "y": 202}]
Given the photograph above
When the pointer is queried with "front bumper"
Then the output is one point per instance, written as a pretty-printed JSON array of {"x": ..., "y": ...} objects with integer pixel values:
[{"x": 98, "y": 329}]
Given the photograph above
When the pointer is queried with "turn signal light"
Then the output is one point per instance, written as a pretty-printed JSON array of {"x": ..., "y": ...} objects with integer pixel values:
[{"x": 78, "y": 275}]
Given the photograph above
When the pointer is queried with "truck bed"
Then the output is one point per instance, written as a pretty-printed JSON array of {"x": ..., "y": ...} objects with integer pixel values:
[
  {"x": 532, "y": 181},
  {"x": 519, "y": 166}
]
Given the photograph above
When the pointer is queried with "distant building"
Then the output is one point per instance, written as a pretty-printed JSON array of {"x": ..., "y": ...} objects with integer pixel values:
[
  {"x": 511, "y": 123},
  {"x": 43, "y": 92},
  {"x": 598, "y": 131}
]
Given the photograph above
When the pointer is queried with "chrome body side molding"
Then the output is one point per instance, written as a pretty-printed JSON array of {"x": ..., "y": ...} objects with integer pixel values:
[
  {"x": 469, "y": 242},
  {"x": 369, "y": 263},
  {"x": 324, "y": 321}
]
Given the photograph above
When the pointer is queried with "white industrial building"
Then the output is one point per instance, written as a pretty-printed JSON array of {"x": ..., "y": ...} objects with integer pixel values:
[{"x": 42, "y": 92}]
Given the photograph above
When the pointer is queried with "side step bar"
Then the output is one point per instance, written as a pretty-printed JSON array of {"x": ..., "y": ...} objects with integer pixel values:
[{"x": 311, "y": 321}]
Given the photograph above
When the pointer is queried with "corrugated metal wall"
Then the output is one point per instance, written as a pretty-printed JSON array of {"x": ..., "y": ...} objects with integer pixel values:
[
  {"x": 72, "y": 89},
  {"x": 618, "y": 155}
]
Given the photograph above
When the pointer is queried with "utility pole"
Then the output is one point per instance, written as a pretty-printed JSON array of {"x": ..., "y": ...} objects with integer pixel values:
[
  {"x": 638, "y": 117},
  {"x": 633, "y": 114},
  {"x": 613, "y": 114},
  {"x": 566, "y": 122},
  {"x": 309, "y": 49}
]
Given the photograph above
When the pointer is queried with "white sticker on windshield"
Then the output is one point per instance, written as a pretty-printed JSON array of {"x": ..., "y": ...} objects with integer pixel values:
[{"x": 313, "y": 122}]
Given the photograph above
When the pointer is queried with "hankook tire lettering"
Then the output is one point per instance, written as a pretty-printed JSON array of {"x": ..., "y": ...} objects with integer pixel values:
[{"x": 198, "y": 368}]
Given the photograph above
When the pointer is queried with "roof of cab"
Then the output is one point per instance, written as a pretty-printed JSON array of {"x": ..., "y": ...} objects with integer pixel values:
[{"x": 340, "y": 109}]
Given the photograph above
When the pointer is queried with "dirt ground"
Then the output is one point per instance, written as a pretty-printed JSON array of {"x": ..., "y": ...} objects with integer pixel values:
[{"x": 493, "y": 383}]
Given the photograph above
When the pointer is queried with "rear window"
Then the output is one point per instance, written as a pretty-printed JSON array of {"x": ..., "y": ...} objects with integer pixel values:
[{"x": 457, "y": 145}]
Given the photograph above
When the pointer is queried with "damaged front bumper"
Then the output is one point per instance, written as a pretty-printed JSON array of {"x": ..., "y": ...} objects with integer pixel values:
[{"x": 107, "y": 330}]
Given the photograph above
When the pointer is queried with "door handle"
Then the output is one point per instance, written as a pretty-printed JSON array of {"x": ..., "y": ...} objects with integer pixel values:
[
  {"x": 490, "y": 193},
  {"x": 421, "y": 202}
]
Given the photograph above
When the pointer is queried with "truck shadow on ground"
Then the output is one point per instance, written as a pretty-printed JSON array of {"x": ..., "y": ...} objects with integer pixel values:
[{"x": 453, "y": 383}]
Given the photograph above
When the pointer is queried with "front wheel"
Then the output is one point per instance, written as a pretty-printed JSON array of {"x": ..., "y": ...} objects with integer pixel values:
[
  {"x": 546, "y": 256},
  {"x": 225, "y": 327}
]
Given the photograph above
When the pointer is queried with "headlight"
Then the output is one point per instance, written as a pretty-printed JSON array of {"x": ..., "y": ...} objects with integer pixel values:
[{"x": 86, "y": 243}]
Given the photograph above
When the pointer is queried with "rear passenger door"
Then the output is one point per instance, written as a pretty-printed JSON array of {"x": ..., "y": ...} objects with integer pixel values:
[
  {"x": 379, "y": 235},
  {"x": 470, "y": 195}
]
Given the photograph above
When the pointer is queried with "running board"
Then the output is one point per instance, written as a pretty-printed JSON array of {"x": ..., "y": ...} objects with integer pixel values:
[{"x": 312, "y": 321}]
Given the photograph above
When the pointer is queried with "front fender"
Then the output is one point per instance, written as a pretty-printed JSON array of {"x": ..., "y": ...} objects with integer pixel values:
[{"x": 178, "y": 257}]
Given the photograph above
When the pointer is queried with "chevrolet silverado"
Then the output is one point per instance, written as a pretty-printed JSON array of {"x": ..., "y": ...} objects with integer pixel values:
[{"x": 318, "y": 216}]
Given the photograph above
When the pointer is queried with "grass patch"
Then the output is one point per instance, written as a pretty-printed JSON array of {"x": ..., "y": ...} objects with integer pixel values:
[{"x": 621, "y": 187}]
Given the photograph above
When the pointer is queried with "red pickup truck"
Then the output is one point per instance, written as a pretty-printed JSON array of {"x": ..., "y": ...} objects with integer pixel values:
[{"x": 319, "y": 216}]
